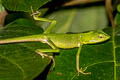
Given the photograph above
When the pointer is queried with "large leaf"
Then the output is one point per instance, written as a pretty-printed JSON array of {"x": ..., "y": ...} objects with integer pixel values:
[
  {"x": 78, "y": 19},
  {"x": 23, "y": 5},
  {"x": 19, "y": 61}
]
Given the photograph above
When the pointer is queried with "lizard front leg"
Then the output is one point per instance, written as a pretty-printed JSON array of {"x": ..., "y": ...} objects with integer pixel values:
[{"x": 77, "y": 62}]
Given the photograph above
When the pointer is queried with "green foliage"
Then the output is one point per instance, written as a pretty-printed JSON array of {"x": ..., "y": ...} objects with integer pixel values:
[
  {"x": 1, "y": 7},
  {"x": 20, "y": 62},
  {"x": 23, "y": 5},
  {"x": 118, "y": 7},
  {"x": 74, "y": 19}
]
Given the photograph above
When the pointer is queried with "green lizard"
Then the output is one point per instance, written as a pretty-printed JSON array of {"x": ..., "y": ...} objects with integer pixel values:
[{"x": 57, "y": 40}]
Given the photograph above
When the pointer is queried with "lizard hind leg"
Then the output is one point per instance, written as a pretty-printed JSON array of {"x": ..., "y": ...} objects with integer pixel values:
[{"x": 42, "y": 52}]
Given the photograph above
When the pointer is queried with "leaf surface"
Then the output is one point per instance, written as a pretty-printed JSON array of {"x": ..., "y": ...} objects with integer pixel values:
[
  {"x": 78, "y": 19},
  {"x": 23, "y": 5},
  {"x": 19, "y": 61}
]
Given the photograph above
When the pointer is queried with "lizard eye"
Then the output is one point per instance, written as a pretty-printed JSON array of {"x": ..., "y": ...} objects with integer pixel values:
[{"x": 100, "y": 36}]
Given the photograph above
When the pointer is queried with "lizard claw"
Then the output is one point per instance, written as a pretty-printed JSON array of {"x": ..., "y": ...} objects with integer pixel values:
[
  {"x": 45, "y": 55},
  {"x": 36, "y": 13},
  {"x": 41, "y": 54}
]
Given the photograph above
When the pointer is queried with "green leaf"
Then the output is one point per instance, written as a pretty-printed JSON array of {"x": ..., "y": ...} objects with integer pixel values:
[
  {"x": 1, "y": 7},
  {"x": 118, "y": 7},
  {"x": 23, "y": 5},
  {"x": 117, "y": 18},
  {"x": 19, "y": 61},
  {"x": 78, "y": 19}
]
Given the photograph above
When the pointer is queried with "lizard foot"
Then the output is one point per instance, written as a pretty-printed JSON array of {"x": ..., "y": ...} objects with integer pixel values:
[
  {"x": 42, "y": 54},
  {"x": 82, "y": 71},
  {"x": 36, "y": 13},
  {"x": 45, "y": 55}
]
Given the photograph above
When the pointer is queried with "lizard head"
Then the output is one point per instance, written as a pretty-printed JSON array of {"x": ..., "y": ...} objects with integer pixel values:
[{"x": 95, "y": 37}]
